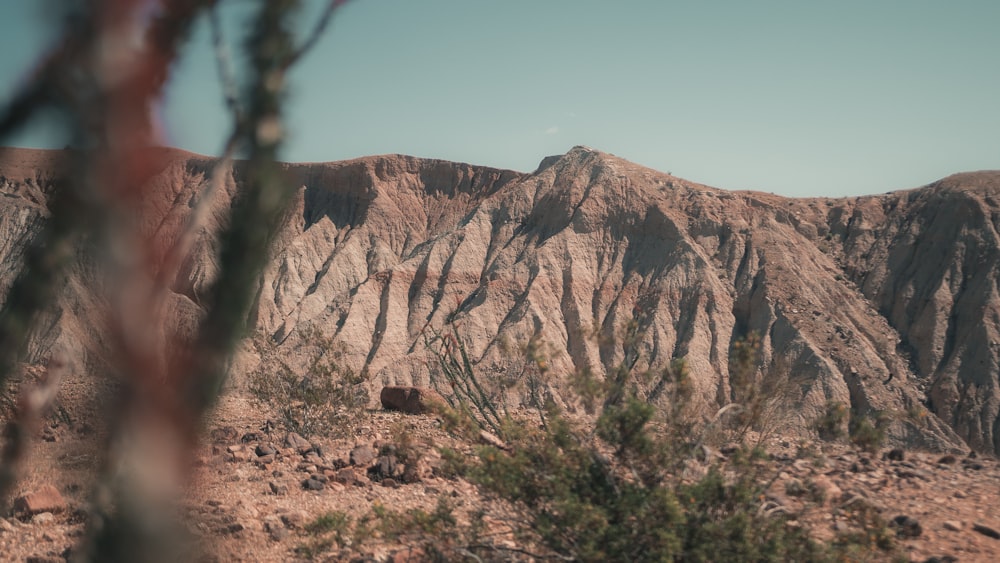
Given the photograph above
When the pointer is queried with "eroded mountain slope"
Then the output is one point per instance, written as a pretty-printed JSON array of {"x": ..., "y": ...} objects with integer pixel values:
[{"x": 885, "y": 302}]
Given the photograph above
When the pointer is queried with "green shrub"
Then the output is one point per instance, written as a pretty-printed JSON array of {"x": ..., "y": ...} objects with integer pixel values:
[
  {"x": 868, "y": 433},
  {"x": 830, "y": 424}
]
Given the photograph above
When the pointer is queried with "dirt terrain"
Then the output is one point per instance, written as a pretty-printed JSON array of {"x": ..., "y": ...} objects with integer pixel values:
[{"x": 243, "y": 507}]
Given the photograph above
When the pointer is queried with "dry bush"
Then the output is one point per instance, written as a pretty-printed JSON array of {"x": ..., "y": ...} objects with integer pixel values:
[{"x": 327, "y": 398}]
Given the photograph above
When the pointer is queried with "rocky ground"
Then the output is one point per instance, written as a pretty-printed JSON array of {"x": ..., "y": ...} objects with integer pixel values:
[{"x": 259, "y": 494}]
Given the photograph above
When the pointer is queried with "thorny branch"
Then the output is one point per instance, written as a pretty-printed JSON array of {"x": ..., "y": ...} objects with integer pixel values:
[{"x": 106, "y": 97}]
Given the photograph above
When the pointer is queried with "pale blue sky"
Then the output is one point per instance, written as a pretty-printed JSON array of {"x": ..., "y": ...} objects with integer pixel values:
[{"x": 797, "y": 97}]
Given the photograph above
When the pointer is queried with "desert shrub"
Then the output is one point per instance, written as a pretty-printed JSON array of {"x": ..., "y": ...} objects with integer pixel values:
[
  {"x": 830, "y": 425},
  {"x": 759, "y": 402},
  {"x": 325, "y": 533},
  {"x": 610, "y": 488},
  {"x": 868, "y": 532},
  {"x": 868, "y": 432},
  {"x": 461, "y": 386},
  {"x": 327, "y": 398}
]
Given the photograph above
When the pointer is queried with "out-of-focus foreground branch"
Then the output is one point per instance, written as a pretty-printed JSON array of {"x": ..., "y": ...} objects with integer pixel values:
[{"x": 105, "y": 87}]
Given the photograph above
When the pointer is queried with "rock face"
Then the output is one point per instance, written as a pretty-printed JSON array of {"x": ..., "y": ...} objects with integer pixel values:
[{"x": 887, "y": 302}]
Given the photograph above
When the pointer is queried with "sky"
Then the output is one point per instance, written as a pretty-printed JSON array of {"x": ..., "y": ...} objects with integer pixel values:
[{"x": 795, "y": 97}]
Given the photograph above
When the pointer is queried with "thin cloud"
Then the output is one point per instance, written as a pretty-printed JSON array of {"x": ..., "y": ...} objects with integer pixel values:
[{"x": 552, "y": 130}]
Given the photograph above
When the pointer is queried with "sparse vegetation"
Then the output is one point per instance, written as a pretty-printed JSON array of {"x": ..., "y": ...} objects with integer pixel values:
[
  {"x": 328, "y": 399},
  {"x": 614, "y": 487},
  {"x": 830, "y": 424},
  {"x": 868, "y": 432}
]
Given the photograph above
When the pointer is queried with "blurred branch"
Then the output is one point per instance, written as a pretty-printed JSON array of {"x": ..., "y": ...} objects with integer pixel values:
[
  {"x": 223, "y": 63},
  {"x": 317, "y": 32},
  {"x": 246, "y": 243}
]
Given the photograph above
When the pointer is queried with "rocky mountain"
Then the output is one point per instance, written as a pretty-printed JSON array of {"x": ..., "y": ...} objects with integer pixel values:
[{"x": 885, "y": 302}]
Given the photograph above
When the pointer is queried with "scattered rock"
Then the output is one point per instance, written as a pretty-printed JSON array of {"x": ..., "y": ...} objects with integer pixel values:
[
  {"x": 265, "y": 459},
  {"x": 410, "y": 400},
  {"x": 895, "y": 454},
  {"x": 46, "y": 499},
  {"x": 906, "y": 526},
  {"x": 408, "y": 555},
  {"x": 275, "y": 528},
  {"x": 264, "y": 450},
  {"x": 386, "y": 467},
  {"x": 953, "y": 525},
  {"x": 348, "y": 476},
  {"x": 295, "y": 519},
  {"x": 6, "y": 526},
  {"x": 311, "y": 484},
  {"x": 390, "y": 483},
  {"x": 363, "y": 456},
  {"x": 491, "y": 440},
  {"x": 43, "y": 518},
  {"x": 232, "y": 528},
  {"x": 278, "y": 489},
  {"x": 947, "y": 459},
  {"x": 297, "y": 443},
  {"x": 238, "y": 453},
  {"x": 986, "y": 531}
]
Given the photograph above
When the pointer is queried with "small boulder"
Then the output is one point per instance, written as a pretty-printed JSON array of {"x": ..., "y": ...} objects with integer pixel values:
[
  {"x": 410, "y": 400},
  {"x": 363, "y": 456},
  {"x": 296, "y": 519},
  {"x": 895, "y": 454},
  {"x": 43, "y": 518},
  {"x": 311, "y": 484},
  {"x": 274, "y": 528},
  {"x": 46, "y": 499},
  {"x": 906, "y": 526},
  {"x": 491, "y": 439},
  {"x": 386, "y": 467},
  {"x": 297, "y": 443},
  {"x": 348, "y": 476}
]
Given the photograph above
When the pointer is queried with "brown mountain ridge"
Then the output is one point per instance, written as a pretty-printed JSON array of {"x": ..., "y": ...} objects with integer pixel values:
[{"x": 886, "y": 302}]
